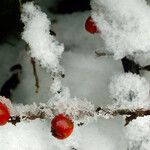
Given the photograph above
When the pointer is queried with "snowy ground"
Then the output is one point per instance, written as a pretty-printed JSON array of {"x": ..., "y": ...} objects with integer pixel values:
[{"x": 87, "y": 76}]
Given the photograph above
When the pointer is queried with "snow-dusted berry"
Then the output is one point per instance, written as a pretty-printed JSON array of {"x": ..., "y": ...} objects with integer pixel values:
[
  {"x": 4, "y": 114},
  {"x": 61, "y": 126},
  {"x": 90, "y": 25}
]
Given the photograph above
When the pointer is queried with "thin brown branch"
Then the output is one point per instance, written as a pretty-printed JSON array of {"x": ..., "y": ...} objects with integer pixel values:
[
  {"x": 29, "y": 116},
  {"x": 99, "y": 112},
  {"x": 100, "y": 54},
  {"x": 131, "y": 115},
  {"x": 35, "y": 74}
]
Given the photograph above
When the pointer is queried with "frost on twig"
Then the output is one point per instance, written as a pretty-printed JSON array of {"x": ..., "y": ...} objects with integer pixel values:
[
  {"x": 78, "y": 110},
  {"x": 81, "y": 111},
  {"x": 79, "y": 116}
]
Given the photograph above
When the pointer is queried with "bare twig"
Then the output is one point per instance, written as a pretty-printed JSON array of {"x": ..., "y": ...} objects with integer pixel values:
[
  {"x": 130, "y": 66},
  {"x": 100, "y": 54},
  {"x": 147, "y": 68},
  {"x": 35, "y": 74}
]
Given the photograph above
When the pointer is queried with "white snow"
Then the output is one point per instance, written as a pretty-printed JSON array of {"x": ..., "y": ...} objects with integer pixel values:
[
  {"x": 43, "y": 46},
  {"x": 137, "y": 133},
  {"x": 124, "y": 25},
  {"x": 130, "y": 91}
]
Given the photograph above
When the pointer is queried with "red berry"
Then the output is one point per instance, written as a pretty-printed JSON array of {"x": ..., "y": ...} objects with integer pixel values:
[
  {"x": 90, "y": 25},
  {"x": 4, "y": 114},
  {"x": 61, "y": 126}
]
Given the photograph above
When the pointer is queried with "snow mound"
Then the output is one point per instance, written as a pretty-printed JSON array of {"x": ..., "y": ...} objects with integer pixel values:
[{"x": 130, "y": 90}]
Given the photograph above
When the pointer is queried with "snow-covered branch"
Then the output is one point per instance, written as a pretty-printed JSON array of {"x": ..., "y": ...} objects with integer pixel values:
[
  {"x": 43, "y": 46},
  {"x": 47, "y": 112}
]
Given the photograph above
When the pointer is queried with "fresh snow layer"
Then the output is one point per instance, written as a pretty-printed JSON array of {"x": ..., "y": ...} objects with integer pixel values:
[
  {"x": 130, "y": 91},
  {"x": 124, "y": 25},
  {"x": 137, "y": 133},
  {"x": 42, "y": 45}
]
